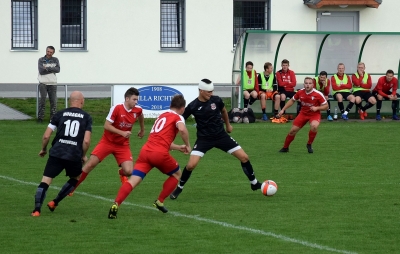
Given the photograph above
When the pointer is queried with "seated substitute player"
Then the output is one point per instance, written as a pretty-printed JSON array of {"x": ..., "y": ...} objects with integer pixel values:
[
  {"x": 341, "y": 89},
  {"x": 250, "y": 84},
  {"x": 323, "y": 85},
  {"x": 268, "y": 90},
  {"x": 208, "y": 110},
  {"x": 386, "y": 88},
  {"x": 286, "y": 80},
  {"x": 362, "y": 84},
  {"x": 68, "y": 151},
  {"x": 155, "y": 153},
  {"x": 312, "y": 103},
  {"x": 115, "y": 139}
]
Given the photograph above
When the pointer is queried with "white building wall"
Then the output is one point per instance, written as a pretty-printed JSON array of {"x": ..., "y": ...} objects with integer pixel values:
[{"x": 124, "y": 40}]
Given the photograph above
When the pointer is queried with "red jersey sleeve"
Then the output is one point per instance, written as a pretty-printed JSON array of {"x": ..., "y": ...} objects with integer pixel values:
[
  {"x": 279, "y": 79},
  {"x": 327, "y": 87},
  {"x": 293, "y": 80},
  {"x": 112, "y": 114},
  {"x": 395, "y": 85}
]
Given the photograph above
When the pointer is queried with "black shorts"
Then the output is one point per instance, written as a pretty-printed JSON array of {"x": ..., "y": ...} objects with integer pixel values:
[
  {"x": 225, "y": 143},
  {"x": 375, "y": 94},
  {"x": 363, "y": 95},
  {"x": 344, "y": 95},
  {"x": 288, "y": 94},
  {"x": 55, "y": 165}
]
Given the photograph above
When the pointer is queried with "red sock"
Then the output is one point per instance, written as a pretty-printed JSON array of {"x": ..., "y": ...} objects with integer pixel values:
[
  {"x": 288, "y": 140},
  {"x": 168, "y": 187},
  {"x": 311, "y": 137},
  {"x": 123, "y": 192},
  {"x": 81, "y": 179},
  {"x": 121, "y": 172}
]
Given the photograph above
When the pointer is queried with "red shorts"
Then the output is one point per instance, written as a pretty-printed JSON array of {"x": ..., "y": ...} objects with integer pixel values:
[
  {"x": 302, "y": 119},
  {"x": 151, "y": 159},
  {"x": 121, "y": 153},
  {"x": 268, "y": 95}
]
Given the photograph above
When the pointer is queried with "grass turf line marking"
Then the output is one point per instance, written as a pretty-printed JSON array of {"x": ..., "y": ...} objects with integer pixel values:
[{"x": 198, "y": 218}]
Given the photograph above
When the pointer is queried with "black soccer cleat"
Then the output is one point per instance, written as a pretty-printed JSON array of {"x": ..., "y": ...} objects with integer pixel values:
[
  {"x": 160, "y": 206},
  {"x": 309, "y": 148},
  {"x": 256, "y": 186},
  {"x": 175, "y": 194},
  {"x": 284, "y": 150},
  {"x": 112, "y": 214}
]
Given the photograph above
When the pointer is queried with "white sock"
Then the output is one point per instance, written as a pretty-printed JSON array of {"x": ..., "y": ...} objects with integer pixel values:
[
  {"x": 254, "y": 181},
  {"x": 345, "y": 113}
]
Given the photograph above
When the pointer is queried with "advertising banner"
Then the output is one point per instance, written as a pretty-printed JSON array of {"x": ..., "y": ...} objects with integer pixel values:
[{"x": 155, "y": 99}]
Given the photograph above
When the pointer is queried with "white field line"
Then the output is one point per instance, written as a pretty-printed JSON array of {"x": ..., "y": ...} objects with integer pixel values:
[{"x": 198, "y": 218}]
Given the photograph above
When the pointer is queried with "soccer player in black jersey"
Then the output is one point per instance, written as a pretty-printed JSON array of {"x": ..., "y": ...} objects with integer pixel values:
[
  {"x": 68, "y": 151},
  {"x": 208, "y": 111}
]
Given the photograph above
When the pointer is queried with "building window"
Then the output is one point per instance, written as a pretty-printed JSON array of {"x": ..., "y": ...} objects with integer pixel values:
[
  {"x": 24, "y": 24},
  {"x": 172, "y": 34},
  {"x": 73, "y": 24},
  {"x": 249, "y": 15}
]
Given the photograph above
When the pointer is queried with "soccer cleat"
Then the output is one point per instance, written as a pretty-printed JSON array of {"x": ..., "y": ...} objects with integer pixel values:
[
  {"x": 175, "y": 194},
  {"x": 112, "y": 214},
  {"x": 264, "y": 117},
  {"x": 309, "y": 148},
  {"x": 362, "y": 115},
  {"x": 71, "y": 193},
  {"x": 160, "y": 206},
  {"x": 52, "y": 206},
  {"x": 256, "y": 186},
  {"x": 35, "y": 214},
  {"x": 365, "y": 114},
  {"x": 378, "y": 117},
  {"x": 330, "y": 118},
  {"x": 395, "y": 117},
  {"x": 123, "y": 179},
  {"x": 344, "y": 117},
  {"x": 284, "y": 150}
]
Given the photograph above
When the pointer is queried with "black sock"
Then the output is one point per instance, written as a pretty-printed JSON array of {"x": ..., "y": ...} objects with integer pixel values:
[
  {"x": 263, "y": 110},
  {"x": 379, "y": 106},
  {"x": 40, "y": 195},
  {"x": 275, "y": 111},
  {"x": 252, "y": 100},
  {"x": 65, "y": 190},
  {"x": 246, "y": 102},
  {"x": 185, "y": 177},
  {"x": 359, "y": 106},
  {"x": 282, "y": 104},
  {"x": 394, "y": 106},
  {"x": 341, "y": 106},
  {"x": 329, "y": 109},
  {"x": 351, "y": 104},
  {"x": 367, "y": 106},
  {"x": 248, "y": 170}
]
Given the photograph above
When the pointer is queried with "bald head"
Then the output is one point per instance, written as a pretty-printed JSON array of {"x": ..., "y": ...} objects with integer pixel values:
[{"x": 76, "y": 99}]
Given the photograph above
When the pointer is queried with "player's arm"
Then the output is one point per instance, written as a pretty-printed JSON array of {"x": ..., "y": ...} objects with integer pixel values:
[
  {"x": 323, "y": 107},
  {"x": 225, "y": 117},
  {"x": 395, "y": 87},
  {"x": 293, "y": 81},
  {"x": 141, "y": 123},
  {"x": 369, "y": 83},
  {"x": 287, "y": 105},
  {"x": 86, "y": 144},
  {"x": 108, "y": 126},
  {"x": 183, "y": 132},
  {"x": 45, "y": 140}
]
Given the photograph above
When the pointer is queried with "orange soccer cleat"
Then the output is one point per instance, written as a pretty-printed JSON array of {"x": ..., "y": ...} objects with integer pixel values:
[
  {"x": 52, "y": 206},
  {"x": 362, "y": 114},
  {"x": 35, "y": 214},
  {"x": 123, "y": 179}
]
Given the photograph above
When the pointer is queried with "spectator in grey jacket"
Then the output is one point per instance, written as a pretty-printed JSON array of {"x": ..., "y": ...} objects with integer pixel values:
[{"x": 48, "y": 64}]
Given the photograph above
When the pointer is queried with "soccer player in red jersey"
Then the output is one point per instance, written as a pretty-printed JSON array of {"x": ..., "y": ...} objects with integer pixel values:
[
  {"x": 155, "y": 153},
  {"x": 115, "y": 139},
  {"x": 386, "y": 88},
  {"x": 312, "y": 103},
  {"x": 323, "y": 84},
  {"x": 362, "y": 84}
]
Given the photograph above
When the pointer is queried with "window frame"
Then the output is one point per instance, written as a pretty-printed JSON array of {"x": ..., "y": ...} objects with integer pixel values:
[
  {"x": 267, "y": 19},
  {"x": 33, "y": 28},
  {"x": 181, "y": 26},
  {"x": 72, "y": 46}
]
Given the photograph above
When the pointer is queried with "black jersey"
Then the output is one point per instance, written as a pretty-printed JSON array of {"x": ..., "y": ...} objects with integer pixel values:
[
  {"x": 207, "y": 116},
  {"x": 71, "y": 124}
]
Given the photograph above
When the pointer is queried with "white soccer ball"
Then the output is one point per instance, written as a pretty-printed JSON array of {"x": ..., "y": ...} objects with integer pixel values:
[{"x": 269, "y": 188}]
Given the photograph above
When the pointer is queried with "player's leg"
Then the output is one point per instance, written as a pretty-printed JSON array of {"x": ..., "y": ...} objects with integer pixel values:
[
  {"x": 339, "y": 98},
  {"x": 298, "y": 123},
  {"x": 263, "y": 104},
  {"x": 379, "y": 99},
  {"x": 253, "y": 97},
  {"x": 328, "y": 111},
  {"x": 395, "y": 107},
  {"x": 42, "y": 102},
  {"x": 53, "y": 168},
  {"x": 277, "y": 102},
  {"x": 371, "y": 101},
  {"x": 358, "y": 102},
  {"x": 125, "y": 170},
  {"x": 247, "y": 167},
  {"x": 283, "y": 100},
  {"x": 73, "y": 170},
  {"x": 352, "y": 99},
  {"x": 52, "y": 91},
  {"x": 246, "y": 98},
  {"x": 314, "y": 123},
  {"x": 87, "y": 168}
]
